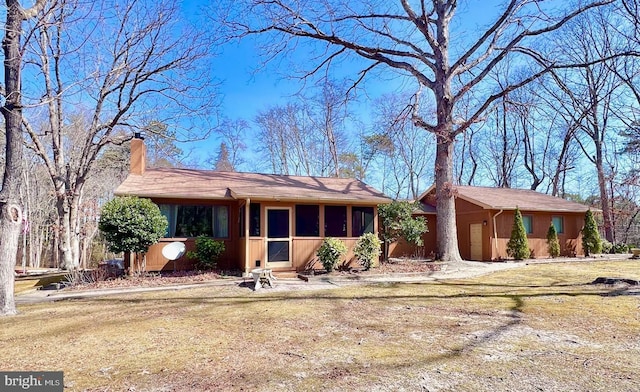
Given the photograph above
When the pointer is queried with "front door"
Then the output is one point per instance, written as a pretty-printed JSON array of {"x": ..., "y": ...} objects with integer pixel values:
[
  {"x": 278, "y": 249},
  {"x": 475, "y": 240}
]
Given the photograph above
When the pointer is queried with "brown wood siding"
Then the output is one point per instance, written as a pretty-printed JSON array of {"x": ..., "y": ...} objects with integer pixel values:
[
  {"x": 403, "y": 249},
  {"x": 157, "y": 262},
  {"x": 304, "y": 252},
  {"x": 231, "y": 259},
  {"x": 466, "y": 215},
  {"x": 303, "y": 249},
  {"x": 570, "y": 239},
  {"x": 463, "y": 206},
  {"x": 256, "y": 252}
]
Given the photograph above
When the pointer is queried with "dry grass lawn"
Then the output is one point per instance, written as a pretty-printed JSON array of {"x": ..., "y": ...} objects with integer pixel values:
[{"x": 541, "y": 327}]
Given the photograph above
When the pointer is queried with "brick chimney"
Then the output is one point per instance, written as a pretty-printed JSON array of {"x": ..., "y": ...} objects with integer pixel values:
[{"x": 138, "y": 158}]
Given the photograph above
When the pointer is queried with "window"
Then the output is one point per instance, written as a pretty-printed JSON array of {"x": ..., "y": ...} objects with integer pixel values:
[
  {"x": 528, "y": 223},
  {"x": 254, "y": 220},
  {"x": 335, "y": 221},
  {"x": 362, "y": 220},
  {"x": 192, "y": 221},
  {"x": 307, "y": 220},
  {"x": 220, "y": 221},
  {"x": 170, "y": 212},
  {"x": 558, "y": 223}
]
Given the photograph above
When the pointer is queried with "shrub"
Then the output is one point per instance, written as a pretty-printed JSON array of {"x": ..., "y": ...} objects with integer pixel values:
[
  {"x": 553, "y": 245},
  {"x": 591, "y": 242},
  {"x": 330, "y": 252},
  {"x": 132, "y": 224},
  {"x": 607, "y": 247},
  {"x": 367, "y": 249},
  {"x": 620, "y": 248},
  {"x": 207, "y": 252},
  {"x": 398, "y": 222},
  {"x": 518, "y": 245}
]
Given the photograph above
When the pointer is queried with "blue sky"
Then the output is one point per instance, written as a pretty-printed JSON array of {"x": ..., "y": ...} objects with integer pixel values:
[{"x": 246, "y": 90}]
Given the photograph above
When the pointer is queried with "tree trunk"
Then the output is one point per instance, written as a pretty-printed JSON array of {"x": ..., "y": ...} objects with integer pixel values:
[
  {"x": 10, "y": 229},
  {"x": 74, "y": 224},
  {"x": 64, "y": 225},
  {"x": 10, "y": 210},
  {"x": 604, "y": 199},
  {"x": 446, "y": 229}
]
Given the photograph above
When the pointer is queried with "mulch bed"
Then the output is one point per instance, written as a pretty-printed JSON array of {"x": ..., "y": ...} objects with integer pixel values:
[{"x": 394, "y": 266}]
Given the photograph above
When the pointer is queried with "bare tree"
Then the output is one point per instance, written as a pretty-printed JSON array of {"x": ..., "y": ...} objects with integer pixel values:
[
  {"x": 39, "y": 205},
  {"x": 329, "y": 117},
  {"x": 500, "y": 145},
  {"x": 467, "y": 157},
  {"x": 107, "y": 68},
  {"x": 10, "y": 208},
  {"x": 306, "y": 136},
  {"x": 289, "y": 142},
  {"x": 234, "y": 136},
  {"x": 536, "y": 137},
  {"x": 410, "y": 152},
  {"x": 420, "y": 41},
  {"x": 160, "y": 141},
  {"x": 589, "y": 96}
]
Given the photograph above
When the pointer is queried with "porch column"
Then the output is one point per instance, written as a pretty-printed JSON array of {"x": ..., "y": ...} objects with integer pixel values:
[{"x": 247, "y": 256}]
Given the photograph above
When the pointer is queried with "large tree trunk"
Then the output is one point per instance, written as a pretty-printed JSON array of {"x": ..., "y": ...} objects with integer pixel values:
[
  {"x": 74, "y": 220},
  {"x": 10, "y": 229},
  {"x": 64, "y": 230},
  {"x": 10, "y": 210},
  {"x": 607, "y": 220},
  {"x": 69, "y": 222},
  {"x": 446, "y": 229}
]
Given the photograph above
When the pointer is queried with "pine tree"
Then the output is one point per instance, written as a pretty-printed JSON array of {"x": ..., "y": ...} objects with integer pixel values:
[
  {"x": 591, "y": 242},
  {"x": 518, "y": 245},
  {"x": 223, "y": 163},
  {"x": 553, "y": 245}
]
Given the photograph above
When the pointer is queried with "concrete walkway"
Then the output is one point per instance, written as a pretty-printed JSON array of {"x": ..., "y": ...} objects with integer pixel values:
[{"x": 463, "y": 270}]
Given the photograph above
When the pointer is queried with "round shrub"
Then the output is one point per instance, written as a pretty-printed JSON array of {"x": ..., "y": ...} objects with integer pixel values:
[
  {"x": 619, "y": 248},
  {"x": 131, "y": 224},
  {"x": 367, "y": 249},
  {"x": 330, "y": 252},
  {"x": 207, "y": 252}
]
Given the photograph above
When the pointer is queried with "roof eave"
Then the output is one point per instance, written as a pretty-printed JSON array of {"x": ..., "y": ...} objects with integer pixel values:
[
  {"x": 512, "y": 208},
  {"x": 170, "y": 196},
  {"x": 337, "y": 199}
]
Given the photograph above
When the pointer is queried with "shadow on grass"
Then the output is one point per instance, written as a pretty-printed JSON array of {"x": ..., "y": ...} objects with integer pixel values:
[
  {"x": 265, "y": 296},
  {"x": 126, "y": 312}
]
